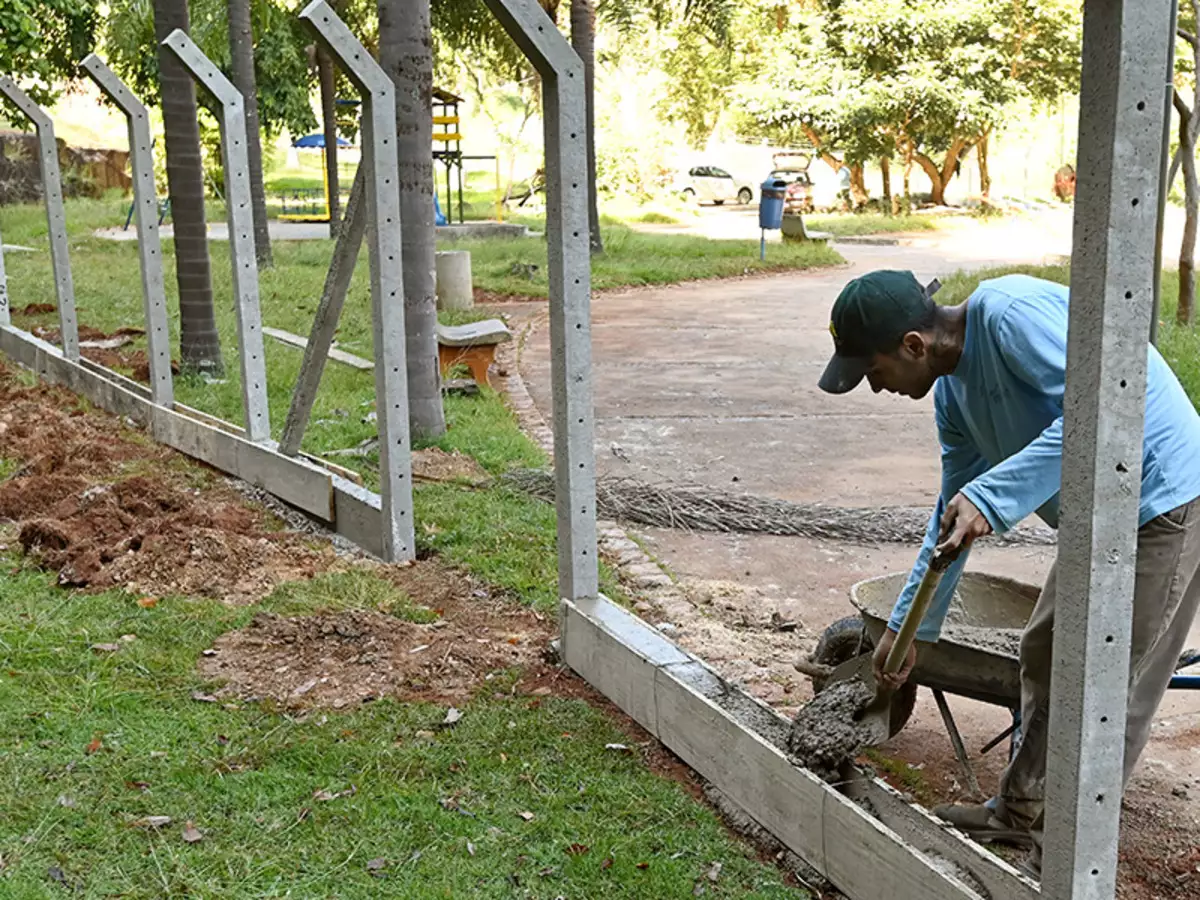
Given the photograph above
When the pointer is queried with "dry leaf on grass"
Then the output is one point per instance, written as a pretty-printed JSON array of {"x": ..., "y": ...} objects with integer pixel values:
[
  {"x": 577, "y": 849},
  {"x": 452, "y": 717},
  {"x": 105, "y": 648},
  {"x": 151, "y": 822},
  {"x": 527, "y": 816},
  {"x": 192, "y": 834}
]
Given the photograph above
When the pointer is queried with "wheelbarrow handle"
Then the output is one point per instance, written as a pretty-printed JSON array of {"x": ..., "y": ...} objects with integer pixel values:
[{"x": 938, "y": 564}]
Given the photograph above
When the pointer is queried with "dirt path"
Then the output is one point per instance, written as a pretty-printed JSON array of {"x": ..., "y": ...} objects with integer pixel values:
[{"x": 715, "y": 383}]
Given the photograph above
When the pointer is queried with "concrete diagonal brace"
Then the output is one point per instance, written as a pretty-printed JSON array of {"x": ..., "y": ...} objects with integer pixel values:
[
  {"x": 145, "y": 200},
  {"x": 382, "y": 195},
  {"x": 1127, "y": 46},
  {"x": 867, "y": 841},
  {"x": 56, "y": 216},
  {"x": 235, "y": 162},
  {"x": 569, "y": 267}
]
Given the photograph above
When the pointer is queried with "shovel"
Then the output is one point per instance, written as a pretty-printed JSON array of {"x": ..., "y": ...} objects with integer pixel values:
[
  {"x": 873, "y": 721},
  {"x": 876, "y": 715}
]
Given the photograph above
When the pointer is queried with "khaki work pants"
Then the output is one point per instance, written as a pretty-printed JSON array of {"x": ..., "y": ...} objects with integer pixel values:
[{"x": 1166, "y": 596}]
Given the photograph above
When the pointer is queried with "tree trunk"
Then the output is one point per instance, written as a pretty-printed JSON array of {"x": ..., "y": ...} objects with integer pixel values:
[
  {"x": 885, "y": 168},
  {"x": 405, "y": 52},
  {"x": 1191, "y": 189},
  {"x": 858, "y": 186},
  {"x": 199, "y": 342},
  {"x": 937, "y": 187},
  {"x": 583, "y": 39},
  {"x": 906, "y": 206},
  {"x": 241, "y": 52},
  {"x": 815, "y": 139},
  {"x": 325, "y": 75},
  {"x": 985, "y": 178}
]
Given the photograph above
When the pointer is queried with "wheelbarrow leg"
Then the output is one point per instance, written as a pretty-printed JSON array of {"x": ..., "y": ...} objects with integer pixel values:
[{"x": 956, "y": 740}]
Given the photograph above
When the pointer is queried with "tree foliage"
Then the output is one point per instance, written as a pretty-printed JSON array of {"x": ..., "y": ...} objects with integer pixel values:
[
  {"x": 42, "y": 41},
  {"x": 281, "y": 61},
  {"x": 924, "y": 80}
]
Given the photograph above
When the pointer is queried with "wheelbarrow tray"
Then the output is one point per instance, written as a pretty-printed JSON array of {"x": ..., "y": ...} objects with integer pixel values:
[{"x": 977, "y": 654}]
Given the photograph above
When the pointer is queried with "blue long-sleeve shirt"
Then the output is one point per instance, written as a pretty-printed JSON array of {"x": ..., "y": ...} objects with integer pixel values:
[{"x": 999, "y": 421}]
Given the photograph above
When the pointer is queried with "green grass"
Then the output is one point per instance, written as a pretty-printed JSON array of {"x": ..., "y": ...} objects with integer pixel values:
[
  {"x": 1179, "y": 346},
  {"x": 635, "y": 258},
  {"x": 850, "y": 224},
  {"x": 246, "y": 776}
]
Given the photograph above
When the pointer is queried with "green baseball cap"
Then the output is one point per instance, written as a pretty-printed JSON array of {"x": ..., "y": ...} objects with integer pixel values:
[{"x": 871, "y": 315}]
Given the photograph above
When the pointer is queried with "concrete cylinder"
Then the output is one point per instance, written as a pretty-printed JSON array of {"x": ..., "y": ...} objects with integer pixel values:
[{"x": 454, "y": 289}]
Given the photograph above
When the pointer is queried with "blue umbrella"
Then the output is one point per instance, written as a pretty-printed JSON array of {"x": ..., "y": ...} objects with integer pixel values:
[{"x": 317, "y": 141}]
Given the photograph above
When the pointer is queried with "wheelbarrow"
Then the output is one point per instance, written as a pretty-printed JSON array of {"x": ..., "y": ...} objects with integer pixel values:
[{"x": 977, "y": 655}]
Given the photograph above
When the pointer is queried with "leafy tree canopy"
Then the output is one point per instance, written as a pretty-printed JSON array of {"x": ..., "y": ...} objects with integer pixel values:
[
  {"x": 281, "y": 56},
  {"x": 42, "y": 41},
  {"x": 926, "y": 77}
]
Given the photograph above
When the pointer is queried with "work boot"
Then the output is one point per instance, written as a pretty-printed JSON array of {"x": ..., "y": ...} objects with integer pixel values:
[{"x": 984, "y": 825}]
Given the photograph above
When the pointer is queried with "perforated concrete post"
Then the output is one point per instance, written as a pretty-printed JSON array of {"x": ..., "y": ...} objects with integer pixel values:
[
  {"x": 145, "y": 206},
  {"x": 570, "y": 287},
  {"x": 383, "y": 233},
  {"x": 56, "y": 216},
  {"x": 1125, "y": 49},
  {"x": 236, "y": 165}
]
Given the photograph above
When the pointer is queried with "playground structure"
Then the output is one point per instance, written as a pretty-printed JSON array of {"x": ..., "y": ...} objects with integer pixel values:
[
  {"x": 713, "y": 726},
  {"x": 447, "y": 135},
  {"x": 309, "y": 204}
]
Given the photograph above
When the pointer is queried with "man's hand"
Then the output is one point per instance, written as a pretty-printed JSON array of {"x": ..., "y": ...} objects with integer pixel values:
[
  {"x": 962, "y": 523},
  {"x": 895, "y": 680}
]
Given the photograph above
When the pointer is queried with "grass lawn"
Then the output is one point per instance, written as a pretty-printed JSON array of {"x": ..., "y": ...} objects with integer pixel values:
[
  {"x": 90, "y": 744},
  {"x": 850, "y": 224},
  {"x": 635, "y": 258},
  {"x": 1180, "y": 347}
]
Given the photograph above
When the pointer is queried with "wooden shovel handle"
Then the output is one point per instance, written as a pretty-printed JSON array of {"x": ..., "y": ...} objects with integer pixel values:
[{"x": 938, "y": 564}]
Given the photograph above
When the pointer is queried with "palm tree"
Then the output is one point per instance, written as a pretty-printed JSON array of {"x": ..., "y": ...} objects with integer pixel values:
[
  {"x": 199, "y": 342},
  {"x": 325, "y": 75},
  {"x": 583, "y": 39},
  {"x": 241, "y": 52},
  {"x": 406, "y": 54}
]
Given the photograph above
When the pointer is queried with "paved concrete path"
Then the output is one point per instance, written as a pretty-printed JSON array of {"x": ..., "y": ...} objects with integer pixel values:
[{"x": 716, "y": 382}]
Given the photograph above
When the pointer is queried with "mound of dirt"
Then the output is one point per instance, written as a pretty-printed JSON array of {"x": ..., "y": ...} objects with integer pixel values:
[
  {"x": 104, "y": 507},
  {"x": 338, "y": 659}
]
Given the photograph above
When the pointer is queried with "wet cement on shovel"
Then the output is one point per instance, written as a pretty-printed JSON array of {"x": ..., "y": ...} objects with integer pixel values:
[{"x": 825, "y": 733}]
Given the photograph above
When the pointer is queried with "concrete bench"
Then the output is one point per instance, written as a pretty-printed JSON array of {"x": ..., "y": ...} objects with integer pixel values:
[
  {"x": 472, "y": 345},
  {"x": 794, "y": 229}
]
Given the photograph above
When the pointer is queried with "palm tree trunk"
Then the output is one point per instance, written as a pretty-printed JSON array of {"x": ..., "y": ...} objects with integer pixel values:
[
  {"x": 406, "y": 55},
  {"x": 583, "y": 39},
  {"x": 199, "y": 342},
  {"x": 325, "y": 74},
  {"x": 241, "y": 52}
]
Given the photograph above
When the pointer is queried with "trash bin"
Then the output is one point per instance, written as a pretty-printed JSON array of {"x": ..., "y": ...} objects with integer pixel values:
[{"x": 770, "y": 203}]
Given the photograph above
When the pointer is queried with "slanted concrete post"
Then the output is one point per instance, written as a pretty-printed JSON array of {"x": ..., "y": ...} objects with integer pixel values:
[{"x": 56, "y": 216}]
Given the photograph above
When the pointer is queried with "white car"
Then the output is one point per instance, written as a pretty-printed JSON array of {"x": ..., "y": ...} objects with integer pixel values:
[{"x": 708, "y": 184}]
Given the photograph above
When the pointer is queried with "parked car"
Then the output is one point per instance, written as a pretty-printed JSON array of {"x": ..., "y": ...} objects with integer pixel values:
[
  {"x": 708, "y": 184},
  {"x": 799, "y": 197}
]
